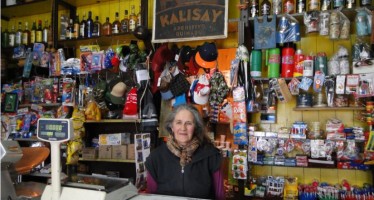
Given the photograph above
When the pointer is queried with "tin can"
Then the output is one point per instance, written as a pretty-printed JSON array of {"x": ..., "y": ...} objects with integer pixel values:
[
  {"x": 299, "y": 63},
  {"x": 300, "y": 6},
  {"x": 308, "y": 66},
  {"x": 314, "y": 5},
  {"x": 289, "y": 6},
  {"x": 326, "y": 5}
]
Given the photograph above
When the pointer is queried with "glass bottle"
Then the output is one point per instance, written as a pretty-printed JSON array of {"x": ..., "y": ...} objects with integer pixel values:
[
  {"x": 33, "y": 33},
  {"x": 253, "y": 8},
  {"x": 125, "y": 23},
  {"x": 45, "y": 32},
  {"x": 26, "y": 35},
  {"x": 107, "y": 28},
  {"x": 39, "y": 32},
  {"x": 82, "y": 27},
  {"x": 139, "y": 17},
  {"x": 76, "y": 27},
  {"x": 326, "y": 5},
  {"x": 12, "y": 35},
  {"x": 96, "y": 27},
  {"x": 89, "y": 25},
  {"x": 289, "y": 6},
  {"x": 70, "y": 30},
  {"x": 265, "y": 7},
  {"x": 5, "y": 38},
  {"x": 18, "y": 36},
  {"x": 338, "y": 3},
  {"x": 116, "y": 25},
  {"x": 132, "y": 20}
]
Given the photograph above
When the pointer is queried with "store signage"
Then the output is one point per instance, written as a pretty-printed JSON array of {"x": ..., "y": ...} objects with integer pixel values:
[{"x": 188, "y": 20}]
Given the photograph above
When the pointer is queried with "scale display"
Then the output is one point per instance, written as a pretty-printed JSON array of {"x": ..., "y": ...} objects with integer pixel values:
[{"x": 54, "y": 129}]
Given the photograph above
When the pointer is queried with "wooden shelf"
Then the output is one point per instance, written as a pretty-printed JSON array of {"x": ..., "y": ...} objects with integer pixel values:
[
  {"x": 40, "y": 104},
  {"x": 102, "y": 41},
  {"x": 106, "y": 160},
  {"x": 327, "y": 108},
  {"x": 113, "y": 121}
]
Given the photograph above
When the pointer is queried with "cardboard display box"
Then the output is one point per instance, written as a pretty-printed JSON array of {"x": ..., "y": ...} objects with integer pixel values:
[
  {"x": 119, "y": 152},
  {"x": 131, "y": 151},
  {"x": 105, "y": 152},
  {"x": 114, "y": 139},
  {"x": 89, "y": 153}
]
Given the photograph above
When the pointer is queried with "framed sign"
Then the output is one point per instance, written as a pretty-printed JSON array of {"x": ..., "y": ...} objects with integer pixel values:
[
  {"x": 11, "y": 102},
  {"x": 188, "y": 20}
]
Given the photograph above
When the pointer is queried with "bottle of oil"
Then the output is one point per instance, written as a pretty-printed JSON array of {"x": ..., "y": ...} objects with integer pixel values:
[{"x": 132, "y": 20}]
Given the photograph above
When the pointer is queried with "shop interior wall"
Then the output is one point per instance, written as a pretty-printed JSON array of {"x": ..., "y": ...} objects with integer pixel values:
[{"x": 311, "y": 43}]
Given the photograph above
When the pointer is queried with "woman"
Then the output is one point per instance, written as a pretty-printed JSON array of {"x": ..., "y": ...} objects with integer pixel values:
[{"x": 188, "y": 164}]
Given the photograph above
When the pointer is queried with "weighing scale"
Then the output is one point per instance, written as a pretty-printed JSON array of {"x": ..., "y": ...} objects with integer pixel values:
[{"x": 57, "y": 131}]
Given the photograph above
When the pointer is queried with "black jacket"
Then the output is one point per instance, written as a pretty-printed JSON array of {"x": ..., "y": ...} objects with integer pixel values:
[{"x": 197, "y": 179}]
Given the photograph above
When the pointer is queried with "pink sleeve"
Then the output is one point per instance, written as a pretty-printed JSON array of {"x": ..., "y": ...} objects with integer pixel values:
[
  {"x": 151, "y": 184},
  {"x": 218, "y": 185}
]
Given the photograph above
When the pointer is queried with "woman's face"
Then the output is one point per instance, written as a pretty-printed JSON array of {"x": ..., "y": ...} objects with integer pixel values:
[{"x": 183, "y": 127}]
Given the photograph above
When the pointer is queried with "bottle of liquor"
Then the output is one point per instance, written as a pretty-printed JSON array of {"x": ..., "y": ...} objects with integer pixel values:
[
  {"x": 12, "y": 35},
  {"x": 253, "y": 8},
  {"x": 26, "y": 35},
  {"x": 82, "y": 27},
  {"x": 107, "y": 28},
  {"x": 116, "y": 25},
  {"x": 5, "y": 38},
  {"x": 45, "y": 32},
  {"x": 89, "y": 25},
  {"x": 70, "y": 30},
  {"x": 139, "y": 17},
  {"x": 76, "y": 27},
  {"x": 18, "y": 36},
  {"x": 39, "y": 32},
  {"x": 265, "y": 7},
  {"x": 33, "y": 33},
  {"x": 125, "y": 23},
  {"x": 96, "y": 27},
  {"x": 132, "y": 20}
]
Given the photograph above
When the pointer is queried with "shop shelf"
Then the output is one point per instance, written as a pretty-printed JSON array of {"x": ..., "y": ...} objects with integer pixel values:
[
  {"x": 106, "y": 160},
  {"x": 101, "y": 40},
  {"x": 327, "y": 108},
  {"x": 27, "y": 139},
  {"x": 40, "y": 104},
  {"x": 113, "y": 121}
]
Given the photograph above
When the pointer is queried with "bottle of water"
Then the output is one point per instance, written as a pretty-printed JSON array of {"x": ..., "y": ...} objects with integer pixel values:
[{"x": 28, "y": 64}]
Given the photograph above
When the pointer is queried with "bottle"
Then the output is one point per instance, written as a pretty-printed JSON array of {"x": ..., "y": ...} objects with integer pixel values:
[
  {"x": 46, "y": 32},
  {"x": 70, "y": 30},
  {"x": 277, "y": 7},
  {"x": 289, "y": 6},
  {"x": 116, "y": 25},
  {"x": 18, "y": 36},
  {"x": 5, "y": 38},
  {"x": 89, "y": 25},
  {"x": 139, "y": 17},
  {"x": 253, "y": 8},
  {"x": 82, "y": 27},
  {"x": 265, "y": 7},
  {"x": 326, "y": 5},
  {"x": 314, "y": 5},
  {"x": 33, "y": 33},
  {"x": 39, "y": 32},
  {"x": 132, "y": 20},
  {"x": 76, "y": 27},
  {"x": 300, "y": 6},
  {"x": 273, "y": 62},
  {"x": 26, "y": 35},
  {"x": 365, "y": 3},
  {"x": 107, "y": 28},
  {"x": 288, "y": 63},
  {"x": 96, "y": 27},
  {"x": 12, "y": 35},
  {"x": 338, "y": 3},
  {"x": 350, "y": 4},
  {"x": 125, "y": 23}
]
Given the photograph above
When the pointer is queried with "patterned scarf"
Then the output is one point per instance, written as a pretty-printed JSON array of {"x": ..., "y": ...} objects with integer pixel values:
[{"x": 184, "y": 153}]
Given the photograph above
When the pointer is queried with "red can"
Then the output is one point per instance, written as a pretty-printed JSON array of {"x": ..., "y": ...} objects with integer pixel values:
[
  {"x": 288, "y": 63},
  {"x": 299, "y": 63}
]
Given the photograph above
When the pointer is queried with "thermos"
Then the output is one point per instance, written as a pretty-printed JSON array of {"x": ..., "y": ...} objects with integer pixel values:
[
  {"x": 308, "y": 66},
  {"x": 273, "y": 62},
  {"x": 256, "y": 63},
  {"x": 288, "y": 63},
  {"x": 320, "y": 63},
  {"x": 299, "y": 63}
]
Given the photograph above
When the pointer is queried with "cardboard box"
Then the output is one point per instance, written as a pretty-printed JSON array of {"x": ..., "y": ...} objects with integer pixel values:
[
  {"x": 105, "y": 152},
  {"x": 131, "y": 151},
  {"x": 119, "y": 152},
  {"x": 114, "y": 139},
  {"x": 89, "y": 153}
]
